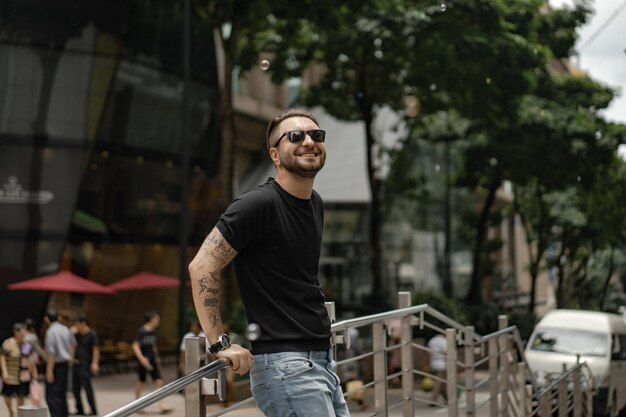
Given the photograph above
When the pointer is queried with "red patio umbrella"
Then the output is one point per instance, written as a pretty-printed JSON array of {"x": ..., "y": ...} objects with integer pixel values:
[
  {"x": 62, "y": 281},
  {"x": 144, "y": 280}
]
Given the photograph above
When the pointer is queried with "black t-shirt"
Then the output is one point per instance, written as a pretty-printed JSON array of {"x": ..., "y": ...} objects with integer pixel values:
[
  {"x": 278, "y": 238},
  {"x": 84, "y": 346},
  {"x": 147, "y": 341}
]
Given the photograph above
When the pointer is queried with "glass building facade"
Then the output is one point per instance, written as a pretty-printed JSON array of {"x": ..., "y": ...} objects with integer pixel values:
[{"x": 91, "y": 127}]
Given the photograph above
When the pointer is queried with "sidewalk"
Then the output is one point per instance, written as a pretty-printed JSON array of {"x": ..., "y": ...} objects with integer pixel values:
[{"x": 114, "y": 391}]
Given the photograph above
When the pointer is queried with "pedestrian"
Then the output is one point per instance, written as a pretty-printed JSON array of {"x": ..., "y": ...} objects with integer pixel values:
[
  {"x": 273, "y": 236},
  {"x": 39, "y": 355},
  {"x": 60, "y": 347},
  {"x": 147, "y": 354},
  {"x": 194, "y": 331},
  {"x": 18, "y": 368},
  {"x": 87, "y": 364},
  {"x": 437, "y": 348}
]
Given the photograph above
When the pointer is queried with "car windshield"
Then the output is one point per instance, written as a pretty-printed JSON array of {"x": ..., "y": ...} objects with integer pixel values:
[{"x": 570, "y": 341}]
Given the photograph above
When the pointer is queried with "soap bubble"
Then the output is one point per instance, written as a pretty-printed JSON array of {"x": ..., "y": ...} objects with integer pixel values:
[{"x": 265, "y": 65}]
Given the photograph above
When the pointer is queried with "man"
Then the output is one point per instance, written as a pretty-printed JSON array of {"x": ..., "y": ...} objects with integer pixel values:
[
  {"x": 87, "y": 363},
  {"x": 194, "y": 331},
  {"x": 60, "y": 348},
  {"x": 39, "y": 356},
  {"x": 147, "y": 354},
  {"x": 437, "y": 346},
  {"x": 273, "y": 235}
]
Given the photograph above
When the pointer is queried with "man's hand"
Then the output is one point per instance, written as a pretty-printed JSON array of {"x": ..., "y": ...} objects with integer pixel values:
[
  {"x": 95, "y": 369},
  {"x": 240, "y": 358},
  {"x": 49, "y": 377}
]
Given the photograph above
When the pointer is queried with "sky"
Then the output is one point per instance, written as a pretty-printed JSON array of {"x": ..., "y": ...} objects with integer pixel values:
[{"x": 602, "y": 49}]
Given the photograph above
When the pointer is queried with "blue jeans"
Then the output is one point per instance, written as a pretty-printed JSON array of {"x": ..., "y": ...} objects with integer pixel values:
[{"x": 297, "y": 384}]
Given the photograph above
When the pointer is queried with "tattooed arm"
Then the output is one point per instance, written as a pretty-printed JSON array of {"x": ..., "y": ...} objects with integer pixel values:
[{"x": 204, "y": 271}]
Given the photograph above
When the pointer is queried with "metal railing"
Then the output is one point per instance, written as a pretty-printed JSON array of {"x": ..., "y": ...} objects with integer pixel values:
[{"x": 485, "y": 375}]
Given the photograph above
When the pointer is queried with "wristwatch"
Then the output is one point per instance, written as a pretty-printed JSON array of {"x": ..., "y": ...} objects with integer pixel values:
[{"x": 223, "y": 342}]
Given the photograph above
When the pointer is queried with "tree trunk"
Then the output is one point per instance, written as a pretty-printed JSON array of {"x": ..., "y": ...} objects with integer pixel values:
[
  {"x": 375, "y": 251},
  {"x": 560, "y": 289},
  {"x": 607, "y": 280},
  {"x": 474, "y": 295}
]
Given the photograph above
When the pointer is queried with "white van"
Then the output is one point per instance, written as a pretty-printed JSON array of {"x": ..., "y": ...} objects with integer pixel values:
[{"x": 599, "y": 339}]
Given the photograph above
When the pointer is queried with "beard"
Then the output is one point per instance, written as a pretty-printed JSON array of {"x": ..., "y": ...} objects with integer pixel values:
[{"x": 306, "y": 169}]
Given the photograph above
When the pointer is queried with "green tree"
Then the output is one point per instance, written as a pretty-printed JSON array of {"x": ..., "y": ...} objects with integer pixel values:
[
  {"x": 503, "y": 152},
  {"x": 558, "y": 148},
  {"x": 474, "y": 55}
]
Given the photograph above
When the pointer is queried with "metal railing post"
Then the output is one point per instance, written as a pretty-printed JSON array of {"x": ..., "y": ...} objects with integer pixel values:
[
  {"x": 562, "y": 394},
  {"x": 408, "y": 381},
  {"x": 451, "y": 373},
  {"x": 589, "y": 399},
  {"x": 521, "y": 388},
  {"x": 545, "y": 409},
  {"x": 335, "y": 339},
  {"x": 577, "y": 393},
  {"x": 493, "y": 378},
  {"x": 470, "y": 393},
  {"x": 528, "y": 407},
  {"x": 503, "y": 345},
  {"x": 380, "y": 367},
  {"x": 195, "y": 358}
]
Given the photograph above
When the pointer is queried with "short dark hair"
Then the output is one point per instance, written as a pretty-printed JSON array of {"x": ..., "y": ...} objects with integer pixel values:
[
  {"x": 281, "y": 118},
  {"x": 147, "y": 316},
  {"x": 66, "y": 316},
  {"x": 52, "y": 315},
  {"x": 82, "y": 319}
]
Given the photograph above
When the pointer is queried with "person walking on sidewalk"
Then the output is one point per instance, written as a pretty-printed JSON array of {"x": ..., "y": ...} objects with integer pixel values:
[
  {"x": 60, "y": 347},
  {"x": 87, "y": 364},
  {"x": 437, "y": 346},
  {"x": 147, "y": 354},
  {"x": 18, "y": 368},
  {"x": 273, "y": 236}
]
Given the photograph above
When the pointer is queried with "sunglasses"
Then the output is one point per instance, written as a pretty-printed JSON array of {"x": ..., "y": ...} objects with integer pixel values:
[{"x": 295, "y": 136}]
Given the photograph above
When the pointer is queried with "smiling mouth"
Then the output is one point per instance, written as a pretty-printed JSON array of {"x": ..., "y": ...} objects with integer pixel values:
[{"x": 308, "y": 155}]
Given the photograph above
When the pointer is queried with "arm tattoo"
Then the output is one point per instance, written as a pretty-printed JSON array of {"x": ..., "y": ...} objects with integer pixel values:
[
  {"x": 215, "y": 254},
  {"x": 220, "y": 246},
  {"x": 213, "y": 299},
  {"x": 215, "y": 319},
  {"x": 203, "y": 284}
]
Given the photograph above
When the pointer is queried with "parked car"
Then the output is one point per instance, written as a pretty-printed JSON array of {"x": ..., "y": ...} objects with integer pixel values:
[{"x": 598, "y": 338}]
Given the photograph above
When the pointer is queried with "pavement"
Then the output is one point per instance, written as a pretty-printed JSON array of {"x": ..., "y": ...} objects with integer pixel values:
[{"x": 116, "y": 390}]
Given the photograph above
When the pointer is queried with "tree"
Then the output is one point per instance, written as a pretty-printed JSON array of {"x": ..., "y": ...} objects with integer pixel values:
[
  {"x": 474, "y": 55},
  {"x": 558, "y": 148},
  {"x": 503, "y": 154}
]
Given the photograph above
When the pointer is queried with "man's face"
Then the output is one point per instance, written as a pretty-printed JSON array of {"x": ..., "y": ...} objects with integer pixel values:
[
  {"x": 304, "y": 158},
  {"x": 20, "y": 335}
]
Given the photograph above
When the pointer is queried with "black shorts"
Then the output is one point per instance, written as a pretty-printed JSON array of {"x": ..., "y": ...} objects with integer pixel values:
[
  {"x": 155, "y": 373},
  {"x": 21, "y": 390}
]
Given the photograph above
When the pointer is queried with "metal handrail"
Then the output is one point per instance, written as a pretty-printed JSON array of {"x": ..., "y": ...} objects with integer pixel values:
[
  {"x": 169, "y": 389},
  {"x": 506, "y": 339},
  {"x": 563, "y": 376},
  {"x": 399, "y": 313}
]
